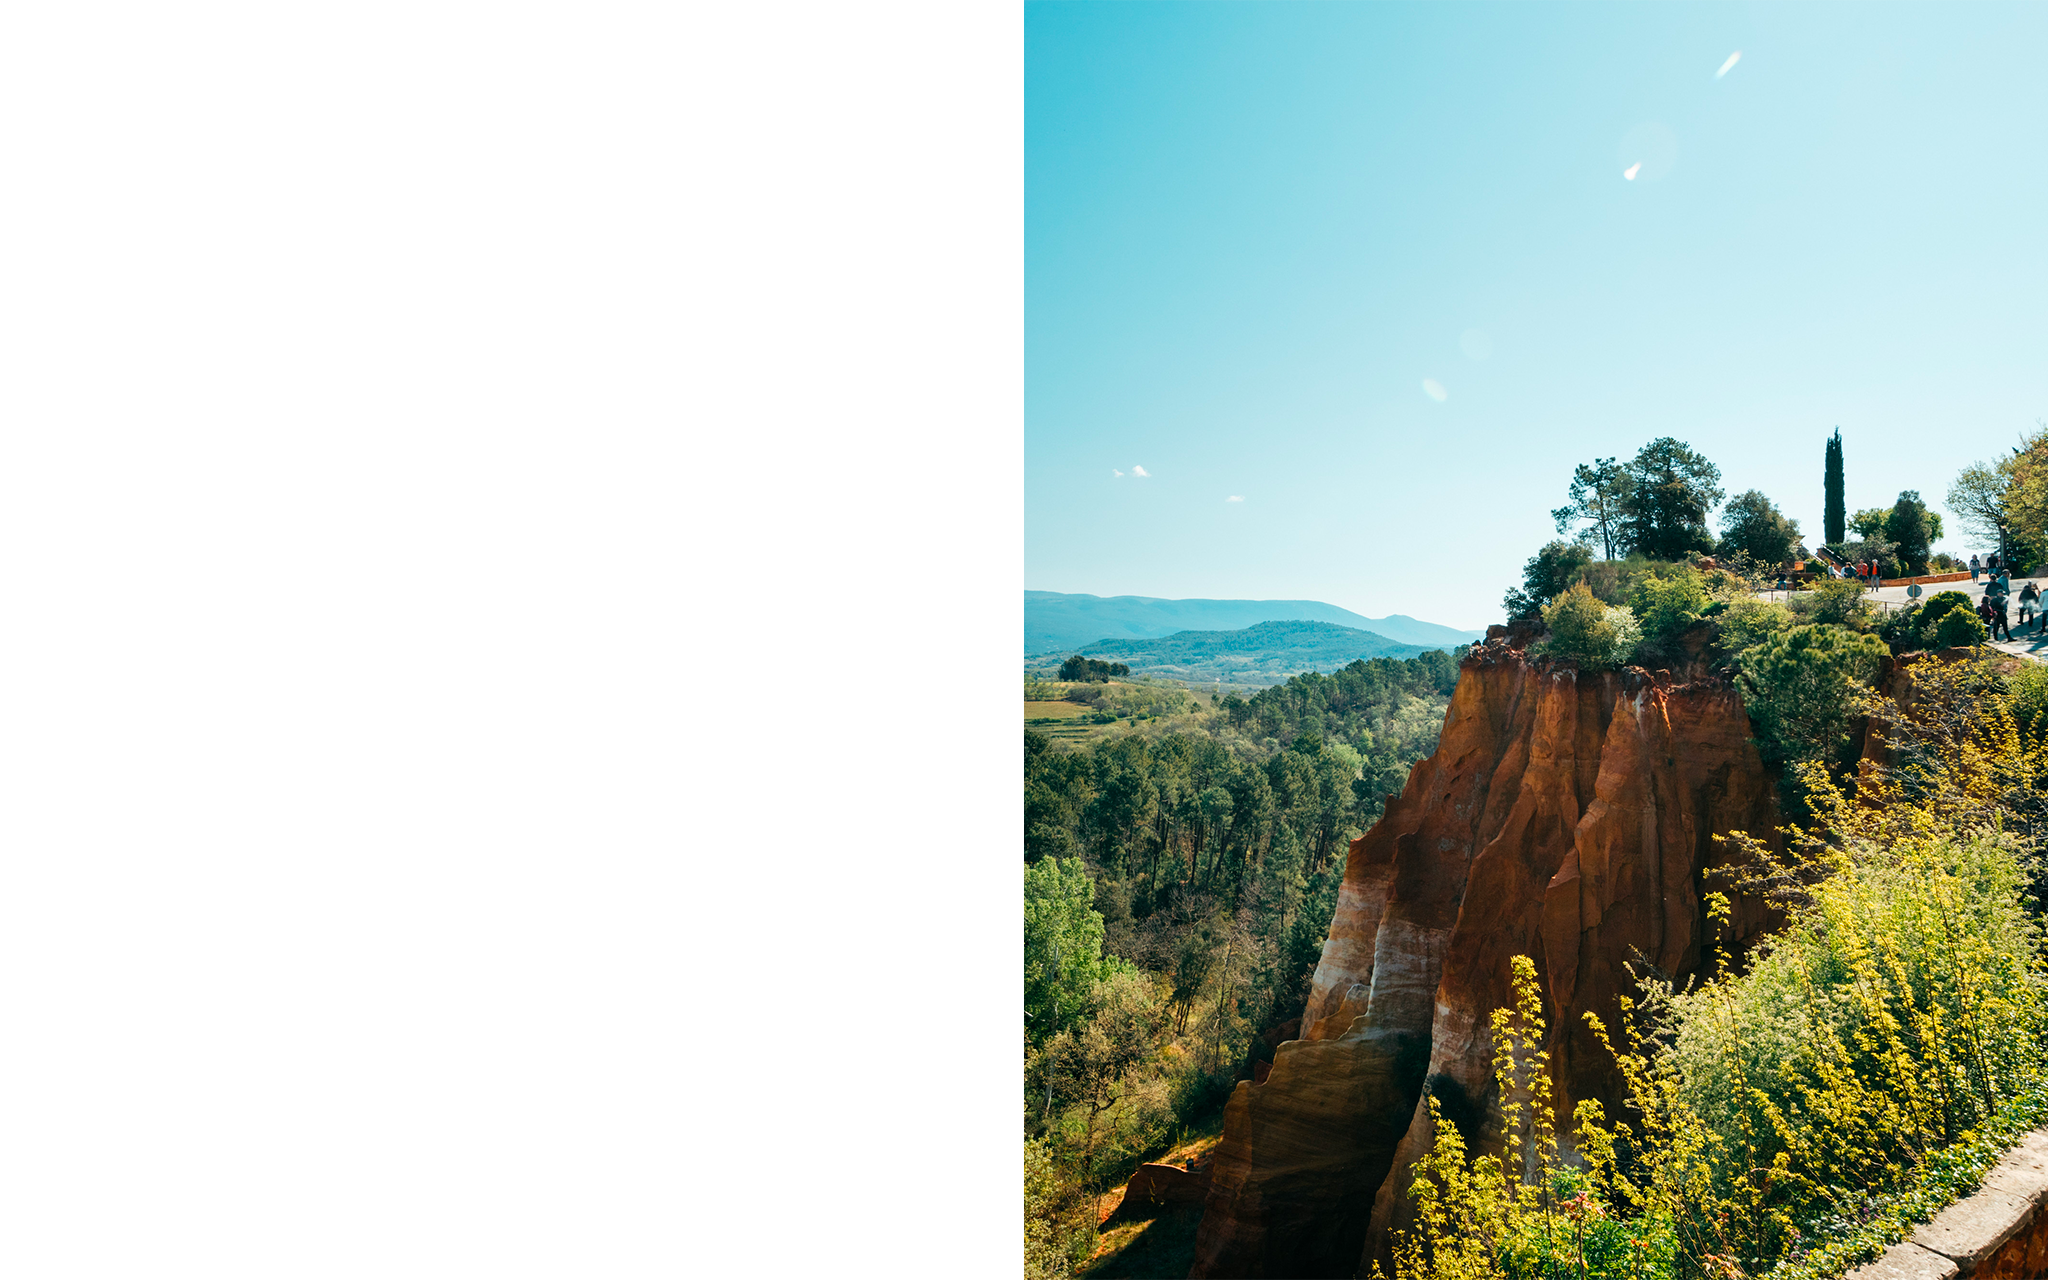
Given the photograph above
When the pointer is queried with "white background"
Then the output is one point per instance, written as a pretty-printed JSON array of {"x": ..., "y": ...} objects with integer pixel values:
[{"x": 509, "y": 551}]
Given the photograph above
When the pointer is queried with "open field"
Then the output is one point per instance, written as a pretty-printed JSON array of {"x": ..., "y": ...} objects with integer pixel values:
[
  {"x": 1054, "y": 710},
  {"x": 1148, "y": 703}
]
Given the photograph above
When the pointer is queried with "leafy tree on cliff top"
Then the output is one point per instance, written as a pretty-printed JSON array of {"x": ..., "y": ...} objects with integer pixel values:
[
  {"x": 1596, "y": 501},
  {"x": 1670, "y": 491},
  {"x": 1869, "y": 522},
  {"x": 1752, "y": 525},
  {"x": 1546, "y": 576}
]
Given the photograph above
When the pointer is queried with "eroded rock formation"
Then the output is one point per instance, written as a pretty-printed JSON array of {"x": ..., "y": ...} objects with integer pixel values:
[{"x": 1565, "y": 816}]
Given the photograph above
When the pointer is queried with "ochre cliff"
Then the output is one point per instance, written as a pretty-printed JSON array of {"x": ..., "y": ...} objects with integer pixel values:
[{"x": 1565, "y": 816}]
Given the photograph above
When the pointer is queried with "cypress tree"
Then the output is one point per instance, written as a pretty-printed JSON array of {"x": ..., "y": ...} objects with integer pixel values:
[{"x": 1835, "y": 516}]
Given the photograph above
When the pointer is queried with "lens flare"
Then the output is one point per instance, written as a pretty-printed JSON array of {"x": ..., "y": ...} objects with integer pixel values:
[
  {"x": 1729, "y": 65},
  {"x": 1647, "y": 153},
  {"x": 1435, "y": 390}
]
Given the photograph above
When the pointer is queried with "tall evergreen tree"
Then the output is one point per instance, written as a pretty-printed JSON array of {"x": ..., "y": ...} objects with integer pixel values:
[{"x": 1835, "y": 516}]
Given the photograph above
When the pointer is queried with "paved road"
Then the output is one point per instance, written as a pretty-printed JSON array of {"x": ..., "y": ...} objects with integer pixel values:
[{"x": 2027, "y": 643}]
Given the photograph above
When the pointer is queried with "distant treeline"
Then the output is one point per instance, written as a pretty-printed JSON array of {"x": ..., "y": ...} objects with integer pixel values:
[{"x": 1124, "y": 802}]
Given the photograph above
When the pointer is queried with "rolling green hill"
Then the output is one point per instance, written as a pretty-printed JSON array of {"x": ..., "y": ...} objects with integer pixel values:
[
  {"x": 1057, "y": 620},
  {"x": 1263, "y": 654}
]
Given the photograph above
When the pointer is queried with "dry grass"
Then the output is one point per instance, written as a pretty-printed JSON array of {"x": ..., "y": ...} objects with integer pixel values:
[
  {"x": 1162, "y": 1245},
  {"x": 1054, "y": 710}
]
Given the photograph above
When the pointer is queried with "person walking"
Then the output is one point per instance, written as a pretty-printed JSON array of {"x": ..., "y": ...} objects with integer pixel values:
[
  {"x": 2030, "y": 596},
  {"x": 1975, "y": 568},
  {"x": 1999, "y": 627}
]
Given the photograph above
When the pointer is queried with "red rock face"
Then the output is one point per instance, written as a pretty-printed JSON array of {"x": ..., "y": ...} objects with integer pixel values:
[{"x": 1565, "y": 816}]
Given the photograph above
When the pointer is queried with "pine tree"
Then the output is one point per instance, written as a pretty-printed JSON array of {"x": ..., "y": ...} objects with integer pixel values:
[{"x": 1835, "y": 517}]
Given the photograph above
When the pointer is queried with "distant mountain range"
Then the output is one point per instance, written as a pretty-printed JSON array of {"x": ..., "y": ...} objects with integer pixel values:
[
  {"x": 1263, "y": 654},
  {"x": 1054, "y": 620}
]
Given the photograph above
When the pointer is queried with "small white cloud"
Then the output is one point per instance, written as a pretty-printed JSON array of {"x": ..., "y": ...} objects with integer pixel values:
[
  {"x": 1631, "y": 172},
  {"x": 1139, "y": 472},
  {"x": 1729, "y": 65},
  {"x": 1235, "y": 497},
  {"x": 1119, "y": 475},
  {"x": 1435, "y": 390}
]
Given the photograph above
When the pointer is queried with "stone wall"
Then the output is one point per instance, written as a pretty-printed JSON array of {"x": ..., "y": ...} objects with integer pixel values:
[{"x": 1999, "y": 1233}]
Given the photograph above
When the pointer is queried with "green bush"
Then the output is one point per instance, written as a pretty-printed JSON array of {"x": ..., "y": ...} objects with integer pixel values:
[
  {"x": 1941, "y": 601},
  {"x": 1841, "y": 602},
  {"x": 1747, "y": 623},
  {"x": 1140, "y": 700},
  {"x": 1900, "y": 628},
  {"x": 1801, "y": 689},
  {"x": 1528, "y": 1212},
  {"x": 1668, "y": 605},
  {"x": 1936, "y": 608},
  {"x": 1592, "y": 634},
  {"x": 2028, "y": 690},
  {"x": 1958, "y": 627}
]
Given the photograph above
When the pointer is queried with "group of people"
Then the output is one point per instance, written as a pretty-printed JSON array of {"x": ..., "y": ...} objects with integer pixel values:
[
  {"x": 1992, "y": 608},
  {"x": 1863, "y": 571}
]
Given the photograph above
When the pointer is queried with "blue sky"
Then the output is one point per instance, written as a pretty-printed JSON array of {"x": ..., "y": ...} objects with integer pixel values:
[{"x": 1252, "y": 232}]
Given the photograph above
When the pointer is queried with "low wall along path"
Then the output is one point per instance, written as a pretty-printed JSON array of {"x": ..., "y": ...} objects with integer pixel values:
[{"x": 1997, "y": 1233}]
